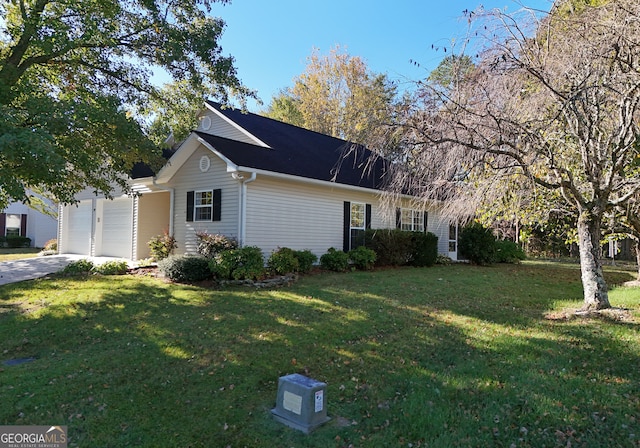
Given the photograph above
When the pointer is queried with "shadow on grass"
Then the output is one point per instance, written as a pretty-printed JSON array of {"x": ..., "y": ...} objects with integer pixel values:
[{"x": 410, "y": 356}]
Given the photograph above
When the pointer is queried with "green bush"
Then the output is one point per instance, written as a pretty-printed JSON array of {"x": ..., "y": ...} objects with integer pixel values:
[
  {"x": 283, "y": 260},
  {"x": 18, "y": 241},
  {"x": 185, "y": 268},
  {"x": 335, "y": 260},
  {"x": 78, "y": 267},
  {"x": 362, "y": 258},
  {"x": 477, "y": 244},
  {"x": 509, "y": 252},
  {"x": 161, "y": 246},
  {"x": 112, "y": 268},
  {"x": 245, "y": 263},
  {"x": 209, "y": 245},
  {"x": 424, "y": 249},
  {"x": 443, "y": 260},
  {"x": 392, "y": 246},
  {"x": 395, "y": 247},
  {"x": 306, "y": 259}
]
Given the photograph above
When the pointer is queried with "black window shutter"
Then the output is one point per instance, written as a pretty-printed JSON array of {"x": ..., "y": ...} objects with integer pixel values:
[
  {"x": 346, "y": 237},
  {"x": 398, "y": 218},
  {"x": 190, "y": 200},
  {"x": 367, "y": 217},
  {"x": 217, "y": 205},
  {"x": 23, "y": 225},
  {"x": 3, "y": 224},
  {"x": 426, "y": 220}
]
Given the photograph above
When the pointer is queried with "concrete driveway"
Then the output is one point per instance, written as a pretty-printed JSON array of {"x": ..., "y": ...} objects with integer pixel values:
[{"x": 30, "y": 268}]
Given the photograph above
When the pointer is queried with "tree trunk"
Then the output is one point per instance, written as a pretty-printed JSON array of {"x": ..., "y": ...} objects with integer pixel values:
[
  {"x": 596, "y": 296},
  {"x": 637, "y": 247}
]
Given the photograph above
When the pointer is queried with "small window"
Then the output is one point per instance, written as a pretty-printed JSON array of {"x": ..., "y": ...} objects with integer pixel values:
[
  {"x": 13, "y": 223},
  {"x": 412, "y": 220},
  {"x": 203, "y": 205},
  {"x": 357, "y": 215}
]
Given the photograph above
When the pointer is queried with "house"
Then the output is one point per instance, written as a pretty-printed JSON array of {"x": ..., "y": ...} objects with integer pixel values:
[
  {"x": 19, "y": 219},
  {"x": 266, "y": 183}
]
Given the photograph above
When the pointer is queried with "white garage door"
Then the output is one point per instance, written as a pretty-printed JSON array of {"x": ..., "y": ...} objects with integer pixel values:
[
  {"x": 116, "y": 228},
  {"x": 78, "y": 236}
]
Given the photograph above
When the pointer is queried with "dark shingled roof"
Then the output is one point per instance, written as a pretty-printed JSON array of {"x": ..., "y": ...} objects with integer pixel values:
[
  {"x": 298, "y": 152},
  {"x": 141, "y": 169}
]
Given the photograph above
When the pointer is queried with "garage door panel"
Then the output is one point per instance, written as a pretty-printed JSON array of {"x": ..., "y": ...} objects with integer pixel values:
[
  {"x": 79, "y": 220},
  {"x": 116, "y": 228}
]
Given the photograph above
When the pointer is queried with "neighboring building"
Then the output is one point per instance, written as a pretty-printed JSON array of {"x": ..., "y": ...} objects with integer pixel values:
[
  {"x": 19, "y": 219},
  {"x": 267, "y": 183}
]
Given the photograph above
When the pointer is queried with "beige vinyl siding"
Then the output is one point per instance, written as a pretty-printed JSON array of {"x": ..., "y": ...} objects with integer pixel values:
[
  {"x": 152, "y": 219},
  {"x": 190, "y": 178},
  {"x": 291, "y": 214}
]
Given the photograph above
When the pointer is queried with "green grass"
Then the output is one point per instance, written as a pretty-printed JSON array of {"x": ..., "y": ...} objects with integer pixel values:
[
  {"x": 438, "y": 357},
  {"x": 7, "y": 254}
]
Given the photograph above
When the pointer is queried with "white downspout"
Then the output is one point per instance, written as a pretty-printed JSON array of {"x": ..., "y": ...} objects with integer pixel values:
[{"x": 242, "y": 231}]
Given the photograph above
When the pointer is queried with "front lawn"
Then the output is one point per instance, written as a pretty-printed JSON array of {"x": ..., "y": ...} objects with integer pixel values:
[
  {"x": 439, "y": 357},
  {"x": 7, "y": 254}
]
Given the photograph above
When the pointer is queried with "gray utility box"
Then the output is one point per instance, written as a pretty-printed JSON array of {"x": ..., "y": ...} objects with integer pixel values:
[{"x": 301, "y": 402}]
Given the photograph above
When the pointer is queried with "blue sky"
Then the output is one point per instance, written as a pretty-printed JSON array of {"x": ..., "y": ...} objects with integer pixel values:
[{"x": 271, "y": 40}]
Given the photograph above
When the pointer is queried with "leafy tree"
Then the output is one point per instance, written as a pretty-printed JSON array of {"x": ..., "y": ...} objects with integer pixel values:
[
  {"x": 73, "y": 74},
  {"x": 337, "y": 95},
  {"x": 560, "y": 109},
  {"x": 285, "y": 107},
  {"x": 452, "y": 70}
]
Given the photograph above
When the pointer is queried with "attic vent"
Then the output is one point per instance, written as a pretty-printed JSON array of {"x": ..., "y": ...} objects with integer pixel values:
[
  {"x": 205, "y": 163},
  {"x": 206, "y": 122}
]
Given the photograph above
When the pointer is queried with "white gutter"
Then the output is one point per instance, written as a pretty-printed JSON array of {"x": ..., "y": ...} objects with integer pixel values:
[
  {"x": 172, "y": 194},
  {"x": 307, "y": 180},
  {"x": 242, "y": 220}
]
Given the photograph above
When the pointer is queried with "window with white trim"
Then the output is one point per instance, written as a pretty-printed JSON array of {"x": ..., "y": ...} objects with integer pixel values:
[
  {"x": 357, "y": 215},
  {"x": 13, "y": 223},
  {"x": 412, "y": 220},
  {"x": 203, "y": 205},
  {"x": 358, "y": 224},
  {"x": 453, "y": 237}
]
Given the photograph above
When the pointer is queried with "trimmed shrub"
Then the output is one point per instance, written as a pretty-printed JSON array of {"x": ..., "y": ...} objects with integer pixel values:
[
  {"x": 477, "y": 244},
  {"x": 162, "y": 246},
  {"x": 362, "y": 258},
  {"x": 335, "y": 260},
  {"x": 509, "y": 252},
  {"x": 392, "y": 246},
  {"x": 78, "y": 267},
  {"x": 424, "y": 249},
  {"x": 112, "y": 268},
  {"x": 283, "y": 260},
  {"x": 18, "y": 241},
  {"x": 306, "y": 259},
  {"x": 185, "y": 268},
  {"x": 209, "y": 245},
  {"x": 245, "y": 263}
]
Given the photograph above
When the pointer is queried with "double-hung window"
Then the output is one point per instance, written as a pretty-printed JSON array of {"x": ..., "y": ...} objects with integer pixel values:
[
  {"x": 411, "y": 220},
  {"x": 203, "y": 205},
  {"x": 13, "y": 225}
]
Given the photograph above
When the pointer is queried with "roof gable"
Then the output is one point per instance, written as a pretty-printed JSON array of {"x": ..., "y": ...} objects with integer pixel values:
[{"x": 214, "y": 122}]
